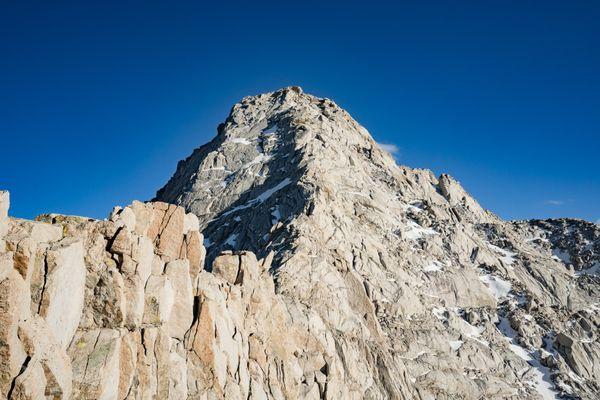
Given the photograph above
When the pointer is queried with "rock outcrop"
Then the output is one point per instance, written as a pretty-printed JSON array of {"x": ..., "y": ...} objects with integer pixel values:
[
  {"x": 291, "y": 258},
  {"x": 123, "y": 309},
  {"x": 424, "y": 293}
]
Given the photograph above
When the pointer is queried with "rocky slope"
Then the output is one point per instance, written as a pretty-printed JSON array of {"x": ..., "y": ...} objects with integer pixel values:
[
  {"x": 122, "y": 309},
  {"x": 423, "y": 293},
  {"x": 370, "y": 280}
]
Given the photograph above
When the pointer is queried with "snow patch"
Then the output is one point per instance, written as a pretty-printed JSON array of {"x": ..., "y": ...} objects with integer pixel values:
[
  {"x": 260, "y": 199},
  {"x": 276, "y": 214},
  {"x": 232, "y": 240},
  {"x": 511, "y": 334},
  {"x": 439, "y": 313},
  {"x": 560, "y": 255},
  {"x": 542, "y": 382},
  {"x": 268, "y": 193},
  {"x": 474, "y": 332},
  {"x": 261, "y": 158},
  {"x": 239, "y": 140},
  {"x": 507, "y": 257},
  {"x": 433, "y": 267},
  {"x": 270, "y": 131},
  {"x": 455, "y": 344},
  {"x": 413, "y": 206},
  {"x": 416, "y": 231},
  {"x": 498, "y": 286}
]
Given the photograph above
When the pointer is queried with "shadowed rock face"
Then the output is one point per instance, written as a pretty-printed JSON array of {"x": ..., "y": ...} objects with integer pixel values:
[
  {"x": 291, "y": 258},
  {"x": 234, "y": 184}
]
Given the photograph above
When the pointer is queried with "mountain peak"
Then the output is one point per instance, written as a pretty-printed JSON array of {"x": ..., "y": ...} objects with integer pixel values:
[
  {"x": 273, "y": 154},
  {"x": 389, "y": 257},
  {"x": 327, "y": 272}
]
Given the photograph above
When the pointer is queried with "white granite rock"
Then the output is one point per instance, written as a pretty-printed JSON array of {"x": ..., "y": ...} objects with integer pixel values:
[{"x": 298, "y": 261}]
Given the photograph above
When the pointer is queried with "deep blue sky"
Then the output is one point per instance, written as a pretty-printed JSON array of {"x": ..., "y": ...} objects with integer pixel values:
[{"x": 98, "y": 102}]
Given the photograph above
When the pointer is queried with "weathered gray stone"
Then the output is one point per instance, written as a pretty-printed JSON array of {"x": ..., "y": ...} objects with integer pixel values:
[
  {"x": 227, "y": 266},
  {"x": 63, "y": 292},
  {"x": 160, "y": 296},
  {"x": 181, "y": 315}
]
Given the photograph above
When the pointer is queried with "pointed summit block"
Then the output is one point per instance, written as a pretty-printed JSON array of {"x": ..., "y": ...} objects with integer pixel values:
[{"x": 271, "y": 156}]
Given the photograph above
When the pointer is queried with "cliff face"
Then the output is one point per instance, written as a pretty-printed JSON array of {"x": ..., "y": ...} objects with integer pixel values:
[
  {"x": 122, "y": 309},
  {"x": 424, "y": 293},
  {"x": 370, "y": 280}
]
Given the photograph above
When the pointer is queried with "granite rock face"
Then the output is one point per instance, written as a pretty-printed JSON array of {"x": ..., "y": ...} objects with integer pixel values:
[
  {"x": 422, "y": 292},
  {"x": 123, "y": 309},
  {"x": 291, "y": 258}
]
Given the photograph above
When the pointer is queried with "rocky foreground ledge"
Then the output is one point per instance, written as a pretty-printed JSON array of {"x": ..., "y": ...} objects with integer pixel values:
[{"x": 123, "y": 308}]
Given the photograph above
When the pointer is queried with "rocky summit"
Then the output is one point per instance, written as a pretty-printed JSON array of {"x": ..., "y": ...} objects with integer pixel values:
[{"x": 292, "y": 258}]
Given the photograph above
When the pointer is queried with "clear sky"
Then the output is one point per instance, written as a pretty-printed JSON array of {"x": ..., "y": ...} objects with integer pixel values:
[{"x": 99, "y": 101}]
